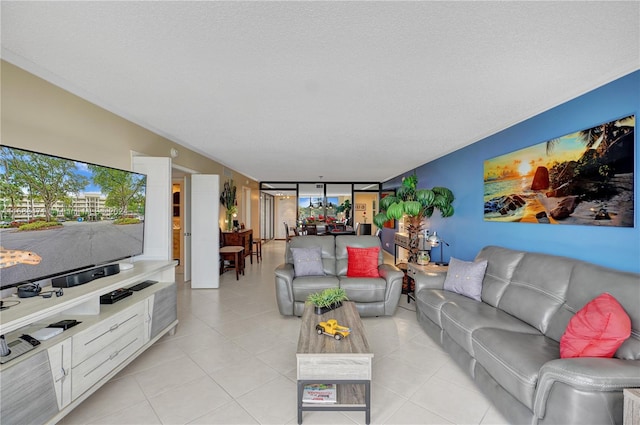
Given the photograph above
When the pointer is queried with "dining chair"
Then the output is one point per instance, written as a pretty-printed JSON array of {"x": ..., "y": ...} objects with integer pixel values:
[
  {"x": 287, "y": 236},
  {"x": 312, "y": 229},
  {"x": 230, "y": 260}
]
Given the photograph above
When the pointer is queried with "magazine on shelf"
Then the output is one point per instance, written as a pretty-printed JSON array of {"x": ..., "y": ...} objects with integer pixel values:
[{"x": 319, "y": 393}]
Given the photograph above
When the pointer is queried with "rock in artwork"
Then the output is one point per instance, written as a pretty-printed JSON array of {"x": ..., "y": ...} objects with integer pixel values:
[{"x": 583, "y": 178}]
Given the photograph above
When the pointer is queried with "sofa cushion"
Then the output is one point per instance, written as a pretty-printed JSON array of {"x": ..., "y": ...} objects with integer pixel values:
[
  {"x": 537, "y": 289},
  {"x": 465, "y": 277},
  {"x": 462, "y": 317},
  {"x": 430, "y": 302},
  {"x": 307, "y": 261},
  {"x": 597, "y": 330},
  {"x": 326, "y": 243},
  {"x": 514, "y": 359},
  {"x": 305, "y": 285},
  {"x": 587, "y": 282},
  {"x": 502, "y": 265},
  {"x": 364, "y": 289},
  {"x": 362, "y": 241},
  {"x": 362, "y": 262}
]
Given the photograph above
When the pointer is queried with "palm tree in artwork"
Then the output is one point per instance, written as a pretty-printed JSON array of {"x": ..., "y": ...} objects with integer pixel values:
[
  {"x": 599, "y": 141},
  {"x": 601, "y": 137}
]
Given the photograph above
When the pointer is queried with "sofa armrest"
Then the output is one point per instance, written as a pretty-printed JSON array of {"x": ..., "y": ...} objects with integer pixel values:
[
  {"x": 389, "y": 272},
  {"x": 429, "y": 280},
  {"x": 586, "y": 374},
  {"x": 284, "y": 288},
  {"x": 393, "y": 277}
]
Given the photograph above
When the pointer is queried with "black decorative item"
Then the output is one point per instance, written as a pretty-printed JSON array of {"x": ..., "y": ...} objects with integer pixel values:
[{"x": 323, "y": 310}]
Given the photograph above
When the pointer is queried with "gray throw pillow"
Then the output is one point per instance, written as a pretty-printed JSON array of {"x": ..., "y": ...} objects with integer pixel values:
[
  {"x": 307, "y": 261},
  {"x": 465, "y": 277}
]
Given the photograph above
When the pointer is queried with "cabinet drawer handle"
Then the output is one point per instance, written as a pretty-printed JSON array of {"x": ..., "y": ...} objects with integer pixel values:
[
  {"x": 114, "y": 355},
  {"x": 62, "y": 377},
  {"x": 114, "y": 327}
]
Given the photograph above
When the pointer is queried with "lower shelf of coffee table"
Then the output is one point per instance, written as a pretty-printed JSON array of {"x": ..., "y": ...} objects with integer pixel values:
[
  {"x": 352, "y": 395},
  {"x": 347, "y": 395}
]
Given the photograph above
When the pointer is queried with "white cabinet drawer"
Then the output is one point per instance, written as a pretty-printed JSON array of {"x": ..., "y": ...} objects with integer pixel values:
[
  {"x": 103, "y": 334},
  {"x": 97, "y": 366}
]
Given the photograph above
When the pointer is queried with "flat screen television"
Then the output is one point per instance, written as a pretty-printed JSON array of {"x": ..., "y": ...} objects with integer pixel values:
[{"x": 59, "y": 216}]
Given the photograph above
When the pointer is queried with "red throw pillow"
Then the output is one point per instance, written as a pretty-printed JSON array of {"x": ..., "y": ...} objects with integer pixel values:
[
  {"x": 597, "y": 330},
  {"x": 362, "y": 262}
]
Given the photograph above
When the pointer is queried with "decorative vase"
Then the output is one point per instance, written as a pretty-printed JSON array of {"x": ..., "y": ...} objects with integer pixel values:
[
  {"x": 323, "y": 310},
  {"x": 423, "y": 258},
  {"x": 229, "y": 221}
]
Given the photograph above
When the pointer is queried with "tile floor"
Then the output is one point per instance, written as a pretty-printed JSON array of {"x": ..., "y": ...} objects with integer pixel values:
[{"x": 232, "y": 361}]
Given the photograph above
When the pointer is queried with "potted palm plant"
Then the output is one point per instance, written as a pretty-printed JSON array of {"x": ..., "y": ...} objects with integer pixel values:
[
  {"x": 416, "y": 205},
  {"x": 327, "y": 300}
]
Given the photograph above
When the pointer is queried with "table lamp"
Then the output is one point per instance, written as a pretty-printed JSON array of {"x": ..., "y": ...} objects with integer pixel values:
[{"x": 435, "y": 240}]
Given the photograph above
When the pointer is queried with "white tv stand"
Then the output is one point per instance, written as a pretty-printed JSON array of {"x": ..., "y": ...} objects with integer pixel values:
[{"x": 45, "y": 384}]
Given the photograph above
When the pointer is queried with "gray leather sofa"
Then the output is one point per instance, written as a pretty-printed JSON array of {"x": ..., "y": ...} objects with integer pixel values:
[
  {"x": 509, "y": 342},
  {"x": 372, "y": 296}
]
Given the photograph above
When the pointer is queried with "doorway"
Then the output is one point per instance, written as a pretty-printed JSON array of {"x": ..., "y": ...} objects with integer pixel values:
[
  {"x": 177, "y": 225},
  {"x": 181, "y": 219},
  {"x": 266, "y": 216},
  {"x": 364, "y": 209}
]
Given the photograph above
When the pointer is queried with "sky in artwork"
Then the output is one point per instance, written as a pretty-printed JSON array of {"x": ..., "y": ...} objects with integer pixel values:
[{"x": 524, "y": 162}]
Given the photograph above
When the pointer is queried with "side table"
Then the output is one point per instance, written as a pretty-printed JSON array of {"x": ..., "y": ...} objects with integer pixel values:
[{"x": 407, "y": 281}]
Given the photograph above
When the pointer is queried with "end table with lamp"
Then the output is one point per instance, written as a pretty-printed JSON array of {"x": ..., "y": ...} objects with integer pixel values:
[
  {"x": 434, "y": 240},
  {"x": 431, "y": 269}
]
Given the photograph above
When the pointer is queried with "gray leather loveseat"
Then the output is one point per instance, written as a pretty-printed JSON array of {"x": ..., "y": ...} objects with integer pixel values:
[
  {"x": 509, "y": 341},
  {"x": 373, "y": 296}
]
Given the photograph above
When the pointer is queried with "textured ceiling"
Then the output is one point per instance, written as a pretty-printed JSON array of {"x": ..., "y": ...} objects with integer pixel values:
[{"x": 351, "y": 91}]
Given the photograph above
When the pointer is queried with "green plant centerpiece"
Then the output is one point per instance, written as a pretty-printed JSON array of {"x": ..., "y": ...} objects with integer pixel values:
[
  {"x": 228, "y": 200},
  {"x": 328, "y": 299},
  {"x": 416, "y": 204}
]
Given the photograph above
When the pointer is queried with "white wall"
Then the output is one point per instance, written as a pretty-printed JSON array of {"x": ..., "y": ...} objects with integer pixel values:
[{"x": 285, "y": 210}]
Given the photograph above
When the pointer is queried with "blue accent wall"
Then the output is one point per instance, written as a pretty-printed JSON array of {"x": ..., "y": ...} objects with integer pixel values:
[{"x": 462, "y": 172}]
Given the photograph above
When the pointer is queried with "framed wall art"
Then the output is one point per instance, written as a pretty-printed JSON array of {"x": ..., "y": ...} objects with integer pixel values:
[{"x": 582, "y": 178}]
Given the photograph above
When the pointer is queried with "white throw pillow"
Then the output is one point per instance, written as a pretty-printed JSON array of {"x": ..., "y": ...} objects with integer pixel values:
[
  {"x": 465, "y": 277},
  {"x": 307, "y": 261}
]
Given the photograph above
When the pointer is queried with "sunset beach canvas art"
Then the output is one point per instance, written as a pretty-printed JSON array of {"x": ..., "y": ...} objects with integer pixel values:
[{"x": 582, "y": 178}]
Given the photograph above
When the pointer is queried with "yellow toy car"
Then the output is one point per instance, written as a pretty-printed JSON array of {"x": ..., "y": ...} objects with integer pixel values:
[{"x": 333, "y": 329}]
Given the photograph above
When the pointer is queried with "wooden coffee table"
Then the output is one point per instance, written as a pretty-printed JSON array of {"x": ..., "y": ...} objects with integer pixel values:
[{"x": 325, "y": 360}]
